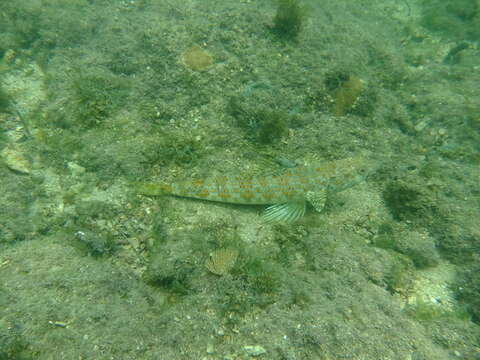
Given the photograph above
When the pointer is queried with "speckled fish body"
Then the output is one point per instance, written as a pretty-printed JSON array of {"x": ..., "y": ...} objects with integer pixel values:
[
  {"x": 287, "y": 192},
  {"x": 289, "y": 186}
]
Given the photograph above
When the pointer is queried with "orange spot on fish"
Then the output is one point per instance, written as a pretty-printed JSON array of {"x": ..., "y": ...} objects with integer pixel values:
[
  {"x": 204, "y": 193},
  {"x": 244, "y": 185},
  {"x": 247, "y": 195},
  {"x": 198, "y": 182},
  {"x": 224, "y": 196},
  {"x": 262, "y": 183}
]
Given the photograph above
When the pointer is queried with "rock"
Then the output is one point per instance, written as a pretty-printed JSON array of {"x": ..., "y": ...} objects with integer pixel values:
[
  {"x": 16, "y": 160},
  {"x": 254, "y": 350}
]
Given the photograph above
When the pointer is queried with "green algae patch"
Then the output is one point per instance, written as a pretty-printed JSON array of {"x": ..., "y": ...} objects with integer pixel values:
[{"x": 289, "y": 19}]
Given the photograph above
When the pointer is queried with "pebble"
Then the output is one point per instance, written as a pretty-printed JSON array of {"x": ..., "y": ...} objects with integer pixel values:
[
  {"x": 16, "y": 160},
  {"x": 254, "y": 350}
]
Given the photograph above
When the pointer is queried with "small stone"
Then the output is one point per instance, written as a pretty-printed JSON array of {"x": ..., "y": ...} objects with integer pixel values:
[
  {"x": 254, "y": 350},
  {"x": 421, "y": 125},
  {"x": 9, "y": 56},
  {"x": 76, "y": 169},
  {"x": 15, "y": 160},
  {"x": 210, "y": 349}
]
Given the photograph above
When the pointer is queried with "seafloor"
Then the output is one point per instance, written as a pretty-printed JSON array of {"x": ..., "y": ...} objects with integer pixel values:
[{"x": 99, "y": 96}]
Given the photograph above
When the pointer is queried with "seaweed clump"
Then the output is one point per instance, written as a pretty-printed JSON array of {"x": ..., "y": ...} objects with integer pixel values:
[
  {"x": 12, "y": 343},
  {"x": 455, "y": 19},
  {"x": 93, "y": 96},
  {"x": 408, "y": 199},
  {"x": 347, "y": 95},
  {"x": 468, "y": 291},
  {"x": 262, "y": 125},
  {"x": 5, "y": 101},
  {"x": 289, "y": 19}
]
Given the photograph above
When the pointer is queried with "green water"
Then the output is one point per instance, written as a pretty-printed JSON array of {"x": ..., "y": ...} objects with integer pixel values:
[{"x": 97, "y": 96}]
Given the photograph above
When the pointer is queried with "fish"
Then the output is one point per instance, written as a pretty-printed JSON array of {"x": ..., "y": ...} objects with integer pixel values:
[{"x": 287, "y": 193}]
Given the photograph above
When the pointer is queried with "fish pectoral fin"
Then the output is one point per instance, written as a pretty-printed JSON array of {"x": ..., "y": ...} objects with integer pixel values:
[
  {"x": 286, "y": 212},
  {"x": 317, "y": 199}
]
